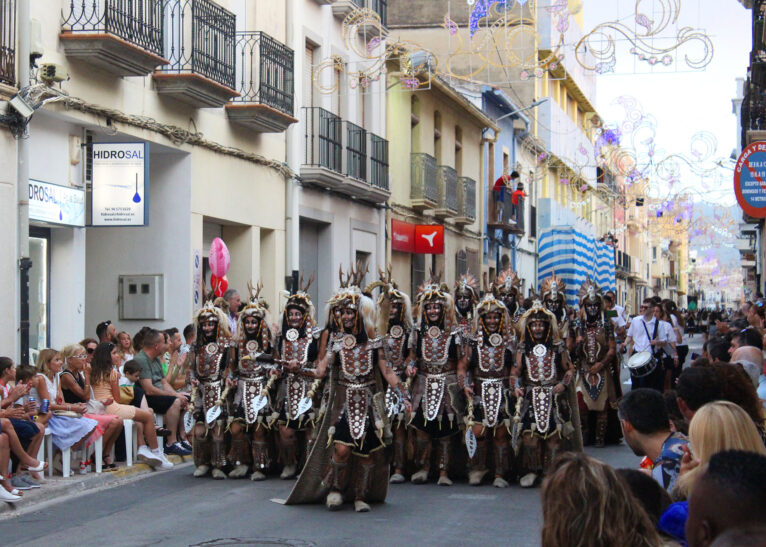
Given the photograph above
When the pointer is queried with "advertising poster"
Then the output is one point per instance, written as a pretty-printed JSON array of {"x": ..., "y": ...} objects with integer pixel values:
[{"x": 120, "y": 183}]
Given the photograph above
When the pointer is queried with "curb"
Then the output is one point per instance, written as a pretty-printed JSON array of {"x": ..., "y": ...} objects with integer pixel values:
[{"x": 56, "y": 488}]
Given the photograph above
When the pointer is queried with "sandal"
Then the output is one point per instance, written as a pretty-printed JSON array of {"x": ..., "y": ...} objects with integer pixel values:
[
  {"x": 162, "y": 432},
  {"x": 108, "y": 466},
  {"x": 41, "y": 466}
]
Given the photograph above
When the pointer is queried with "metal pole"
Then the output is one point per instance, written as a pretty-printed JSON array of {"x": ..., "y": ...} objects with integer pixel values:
[
  {"x": 293, "y": 190},
  {"x": 23, "y": 188}
]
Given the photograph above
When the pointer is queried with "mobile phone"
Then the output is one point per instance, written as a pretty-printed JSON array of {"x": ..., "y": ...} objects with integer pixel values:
[{"x": 611, "y": 313}]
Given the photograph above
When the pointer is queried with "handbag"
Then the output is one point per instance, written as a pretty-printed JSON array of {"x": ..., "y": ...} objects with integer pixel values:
[
  {"x": 94, "y": 406},
  {"x": 126, "y": 395}
]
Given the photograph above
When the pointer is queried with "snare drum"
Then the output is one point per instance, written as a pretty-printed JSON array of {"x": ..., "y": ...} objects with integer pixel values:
[{"x": 642, "y": 364}]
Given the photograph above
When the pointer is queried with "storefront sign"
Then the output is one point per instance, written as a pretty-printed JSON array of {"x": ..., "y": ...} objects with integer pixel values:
[
  {"x": 56, "y": 204},
  {"x": 429, "y": 239},
  {"x": 120, "y": 184},
  {"x": 402, "y": 236},
  {"x": 750, "y": 180}
]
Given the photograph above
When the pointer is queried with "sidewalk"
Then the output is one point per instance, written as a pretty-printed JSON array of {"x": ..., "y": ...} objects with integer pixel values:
[{"x": 57, "y": 488}]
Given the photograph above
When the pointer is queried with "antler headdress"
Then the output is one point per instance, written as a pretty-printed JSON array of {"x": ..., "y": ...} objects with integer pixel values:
[
  {"x": 435, "y": 291},
  {"x": 538, "y": 312},
  {"x": 350, "y": 296},
  {"x": 589, "y": 292},
  {"x": 210, "y": 312},
  {"x": 302, "y": 301},
  {"x": 389, "y": 294}
]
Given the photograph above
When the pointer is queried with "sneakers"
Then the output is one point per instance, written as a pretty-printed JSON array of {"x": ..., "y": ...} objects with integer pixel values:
[
  {"x": 29, "y": 481},
  {"x": 148, "y": 456},
  {"x": 186, "y": 445},
  {"x": 20, "y": 484},
  {"x": 165, "y": 463},
  {"x": 177, "y": 449},
  {"x": 7, "y": 496}
]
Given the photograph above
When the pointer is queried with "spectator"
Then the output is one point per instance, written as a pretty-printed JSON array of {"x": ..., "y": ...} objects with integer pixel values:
[
  {"x": 124, "y": 347},
  {"x": 586, "y": 503},
  {"x": 671, "y": 363},
  {"x": 67, "y": 430},
  {"x": 747, "y": 337},
  {"x": 75, "y": 387},
  {"x": 646, "y": 334},
  {"x": 747, "y": 536},
  {"x": 8, "y": 493},
  {"x": 131, "y": 392},
  {"x": 233, "y": 300},
  {"x": 750, "y": 359},
  {"x": 717, "y": 426},
  {"x": 654, "y": 499},
  {"x": 106, "y": 332},
  {"x": 756, "y": 315},
  {"x": 697, "y": 386},
  {"x": 177, "y": 361},
  {"x": 160, "y": 395},
  {"x": 678, "y": 423},
  {"x": 736, "y": 387},
  {"x": 104, "y": 379},
  {"x": 646, "y": 428},
  {"x": 189, "y": 336},
  {"x": 138, "y": 340},
  {"x": 729, "y": 493},
  {"x": 718, "y": 349},
  {"x": 90, "y": 346}
]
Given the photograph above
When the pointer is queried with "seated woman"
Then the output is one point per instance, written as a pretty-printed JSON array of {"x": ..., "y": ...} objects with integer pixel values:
[
  {"x": 104, "y": 378},
  {"x": 715, "y": 427},
  {"x": 75, "y": 386},
  {"x": 67, "y": 431}
]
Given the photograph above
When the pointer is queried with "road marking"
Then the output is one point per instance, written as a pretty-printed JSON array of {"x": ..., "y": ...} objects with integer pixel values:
[{"x": 476, "y": 497}]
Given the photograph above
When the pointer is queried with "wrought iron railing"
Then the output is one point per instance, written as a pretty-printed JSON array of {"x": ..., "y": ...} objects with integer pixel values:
[
  {"x": 264, "y": 71},
  {"x": 380, "y": 7},
  {"x": 139, "y": 22},
  {"x": 324, "y": 138},
  {"x": 378, "y": 162},
  {"x": 516, "y": 211},
  {"x": 467, "y": 198},
  {"x": 8, "y": 42},
  {"x": 448, "y": 188},
  {"x": 200, "y": 38},
  {"x": 356, "y": 151},
  {"x": 423, "y": 173}
]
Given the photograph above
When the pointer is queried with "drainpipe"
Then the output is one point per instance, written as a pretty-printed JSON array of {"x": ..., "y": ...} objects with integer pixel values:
[
  {"x": 292, "y": 202},
  {"x": 25, "y": 263}
]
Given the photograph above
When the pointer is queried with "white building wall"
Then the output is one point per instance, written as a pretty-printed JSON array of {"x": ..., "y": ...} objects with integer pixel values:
[{"x": 9, "y": 279}]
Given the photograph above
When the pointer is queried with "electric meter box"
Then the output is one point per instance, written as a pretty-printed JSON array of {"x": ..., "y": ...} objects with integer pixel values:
[{"x": 142, "y": 297}]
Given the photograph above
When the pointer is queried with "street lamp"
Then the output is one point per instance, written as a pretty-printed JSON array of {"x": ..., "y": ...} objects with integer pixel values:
[{"x": 534, "y": 104}]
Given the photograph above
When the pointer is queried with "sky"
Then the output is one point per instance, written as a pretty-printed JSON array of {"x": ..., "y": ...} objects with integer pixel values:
[{"x": 682, "y": 101}]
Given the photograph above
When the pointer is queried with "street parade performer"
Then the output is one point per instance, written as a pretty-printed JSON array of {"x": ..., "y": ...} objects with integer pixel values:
[
  {"x": 297, "y": 349},
  {"x": 437, "y": 346},
  {"x": 395, "y": 320},
  {"x": 490, "y": 402},
  {"x": 255, "y": 366},
  {"x": 596, "y": 348},
  {"x": 466, "y": 297},
  {"x": 208, "y": 376},
  {"x": 546, "y": 416},
  {"x": 347, "y": 461},
  {"x": 507, "y": 287},
  {"x": 553, "y": 292}
]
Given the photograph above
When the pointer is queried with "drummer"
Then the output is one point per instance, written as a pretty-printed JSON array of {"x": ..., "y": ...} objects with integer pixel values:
[{"x": 645, "y": 334}]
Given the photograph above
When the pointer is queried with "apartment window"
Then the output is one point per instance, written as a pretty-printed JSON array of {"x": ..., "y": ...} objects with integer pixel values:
[
  {"x": 461, "y": 263},
  {"x": 336, "y": 106},
  {"x": 654, "y": 253},
  {"x": 459, "y": 151},
  {"x": 308, "y": 75},
  {"x": 437, "y": 137}
]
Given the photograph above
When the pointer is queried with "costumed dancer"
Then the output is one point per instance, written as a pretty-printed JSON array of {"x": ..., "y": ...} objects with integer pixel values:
[
  {"x": 466, "y": 297},
  {"x": 356, "y": 427},
  {"x": 254, "y": 369},
  {"x": 395, "y": 320},
  {"x": 507, "y": 287},
  {"x": 209, "y": 377},
  {"x": 490, "y": 401},
  {"x": 437, "y": 347},
  {"x": 298, "y": 349},
  {"x": 545, "y": 417},
  {"x": 553, "y": 292},
  {"x": 596, "y": 349}
]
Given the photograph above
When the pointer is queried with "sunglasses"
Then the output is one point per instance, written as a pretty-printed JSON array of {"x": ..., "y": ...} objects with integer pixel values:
[
  {"x": 90, "y": 350},
  {"x": 81, "y": 356}
]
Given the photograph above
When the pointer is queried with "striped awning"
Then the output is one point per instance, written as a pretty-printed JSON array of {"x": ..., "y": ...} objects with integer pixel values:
[{"x": 573, "y": 256}]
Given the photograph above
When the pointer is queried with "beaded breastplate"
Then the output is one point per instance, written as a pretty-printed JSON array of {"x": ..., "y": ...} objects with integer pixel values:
[
  {"x": 209, "y": 361},
  {"x": 356, "y": 363},
  {"x": 595, "y": 342},
  {"x": 491, "y": 359},
  {"x": 297, "y": 349},
  {"x": 394, "y": 347},
  {"x": 541, "y": 365},
  {"x": 434, "y": 349},
  {"x": 250, "y": 368}
]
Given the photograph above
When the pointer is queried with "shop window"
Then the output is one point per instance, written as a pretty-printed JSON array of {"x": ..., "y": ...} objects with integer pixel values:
[{"x": 417, "y": 273}]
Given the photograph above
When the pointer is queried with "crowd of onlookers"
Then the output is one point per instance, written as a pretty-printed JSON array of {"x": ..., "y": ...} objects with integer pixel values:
[
  {"x": 87, "y": 393},
  {"x": 702, "y": 436}
]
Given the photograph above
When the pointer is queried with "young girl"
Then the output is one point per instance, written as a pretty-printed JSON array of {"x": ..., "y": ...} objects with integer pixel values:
[
  {"x": 124, "y": 347},
  {"x": 67, "y": 431}
]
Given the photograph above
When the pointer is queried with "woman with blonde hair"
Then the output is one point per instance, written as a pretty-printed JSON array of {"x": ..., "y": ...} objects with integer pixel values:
[
  {"x": 586, "y": 503},
  {"x": 75, "y": 387},
  {"x": 715, "y": 427},
  {"x": 124, "y": 347}
]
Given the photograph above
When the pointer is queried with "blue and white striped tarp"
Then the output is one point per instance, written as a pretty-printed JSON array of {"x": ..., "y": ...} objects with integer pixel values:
[{"x": 573, "y": 256}]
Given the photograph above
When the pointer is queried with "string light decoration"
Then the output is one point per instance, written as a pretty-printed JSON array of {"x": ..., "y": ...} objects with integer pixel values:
[{"x": 600, "y": 42}]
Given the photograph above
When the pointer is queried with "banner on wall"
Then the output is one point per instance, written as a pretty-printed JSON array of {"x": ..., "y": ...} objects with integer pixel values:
[
  {"x": 120, "y": 184},
  {"x": 750, "y": 180},
  {"x": 429, "y": 239},
  {"x": 402, "y": 236},
  {"x": 56, "y": 204}
]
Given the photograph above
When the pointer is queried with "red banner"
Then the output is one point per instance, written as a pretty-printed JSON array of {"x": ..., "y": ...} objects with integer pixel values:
[
  {"x": 429, "y": 239},
  {"x": 402, "y": 236}
]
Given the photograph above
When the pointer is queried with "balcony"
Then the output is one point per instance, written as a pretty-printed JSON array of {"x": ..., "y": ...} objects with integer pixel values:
[
  {"x": 447, "y": 182},
  {"x": 623, "y": 266},
  {"x": 337, "y": 157},
  {"x": 466, "y": 203},
  {"x": 8, "y": 43},
  {"x": 200, "y": 46},
  {"x": 264, "y": 83},
  {"x": 424, "y": 190},
  {"x": 565, "y": 139},
  {"x": 122, "y": 37},
  {"x": 503, "y": 215}
]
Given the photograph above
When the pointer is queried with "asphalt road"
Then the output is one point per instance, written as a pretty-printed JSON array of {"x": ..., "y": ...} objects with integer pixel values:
[{"x": 174, "y": 508}]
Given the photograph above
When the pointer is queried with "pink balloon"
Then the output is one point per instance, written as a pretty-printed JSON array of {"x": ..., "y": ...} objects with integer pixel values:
[{"x": 219, "y": 258}]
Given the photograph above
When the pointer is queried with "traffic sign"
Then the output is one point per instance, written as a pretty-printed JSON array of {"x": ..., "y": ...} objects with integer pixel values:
[{"x": 750, "y": 180}]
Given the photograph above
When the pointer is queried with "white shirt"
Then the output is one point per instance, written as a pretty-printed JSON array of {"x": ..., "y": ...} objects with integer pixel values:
[{"x": 641, "y": 342}]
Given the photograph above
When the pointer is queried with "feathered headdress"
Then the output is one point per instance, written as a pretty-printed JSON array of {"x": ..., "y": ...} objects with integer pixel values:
[
  {"x": 553, "y": 288},
  {"x": 210, "y": 312},
  {"x": 506, "y": 283},
  {"x": 256, "y": 307},
  {"x": 435, "y": 291},
  {"x": 589, "y": 292},
  {"x": 467, "y": 285}
]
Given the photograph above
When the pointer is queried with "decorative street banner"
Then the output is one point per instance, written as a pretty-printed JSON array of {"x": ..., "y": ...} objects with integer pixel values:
[
  {"x": 750, "y": 180},
  {"x": 197, "y": 279},
  {"x": 120, "y": 183},
  {"x": 402, "y": 236},
  {"x": 56, "y": 204},
  {"x": 429, "y": 239}
]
